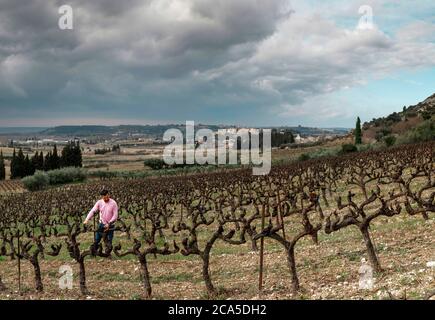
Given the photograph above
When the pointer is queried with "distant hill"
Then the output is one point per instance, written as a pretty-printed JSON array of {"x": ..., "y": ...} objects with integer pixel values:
[
  {"x": 20, "y": 130},
  {"x": 399, "y": 123},
  {"x": 122, "y": 130},
  {"x": 159, "y": 130},
  {"x": 78, "y": 130},
  {"x": 309, "y": 131}
]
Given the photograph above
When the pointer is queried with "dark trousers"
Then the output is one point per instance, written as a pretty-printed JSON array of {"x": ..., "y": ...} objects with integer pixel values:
[{"x": 101, "y": 233}]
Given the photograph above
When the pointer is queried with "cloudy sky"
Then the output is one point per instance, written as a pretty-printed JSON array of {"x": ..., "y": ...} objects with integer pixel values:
[{"x": 247, "y": 62}]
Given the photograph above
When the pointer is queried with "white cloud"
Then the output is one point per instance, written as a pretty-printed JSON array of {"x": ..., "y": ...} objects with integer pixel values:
[{"x": 201, "y": 57}]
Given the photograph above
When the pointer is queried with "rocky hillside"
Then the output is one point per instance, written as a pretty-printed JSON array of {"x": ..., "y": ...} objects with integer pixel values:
[{"x": 399, "y": 123}]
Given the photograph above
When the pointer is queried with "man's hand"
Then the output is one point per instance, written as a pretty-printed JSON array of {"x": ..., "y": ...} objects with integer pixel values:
[
  {"x": 85, "y": 222},
  {"x": 106, "y": 227}
]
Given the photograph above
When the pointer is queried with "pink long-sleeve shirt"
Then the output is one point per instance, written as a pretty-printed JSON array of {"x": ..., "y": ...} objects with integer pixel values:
[{"x": 108, "y": 211}]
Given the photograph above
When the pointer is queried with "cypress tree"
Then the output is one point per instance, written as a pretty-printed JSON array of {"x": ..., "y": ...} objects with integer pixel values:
[
  {"x": 29, "y": 169},
  {"x": 18, "y": 165},
  {"x": 2, "y": 167},
  {"x": 78, "y": 160},
  {"x": 14, "y": 165},
  {"x": 35, "y": 162},
  {"x": 71, "y": 155},
  {"x": 55, "y": 160},
  {"x": 48, "y": 162},
  {"x": 41, "y": 161},
  {"x": 21, "y": 160},
  {"x": 358, "y": 138},
  {"x": 65, "y": 160}
]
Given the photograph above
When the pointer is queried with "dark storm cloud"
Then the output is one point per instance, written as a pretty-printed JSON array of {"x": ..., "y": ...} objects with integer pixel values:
[
  {"x": 210, "y": 60},
  {"x": 122, "y": 54}
]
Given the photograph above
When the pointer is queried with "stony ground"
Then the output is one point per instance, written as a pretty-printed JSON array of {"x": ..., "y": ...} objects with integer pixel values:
[{"x": 327, "y": 271}]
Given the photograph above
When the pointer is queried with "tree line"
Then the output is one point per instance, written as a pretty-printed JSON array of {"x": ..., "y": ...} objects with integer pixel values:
[
  {"x": 23, "y": 166},
  {"x": 116, "y": 148}
]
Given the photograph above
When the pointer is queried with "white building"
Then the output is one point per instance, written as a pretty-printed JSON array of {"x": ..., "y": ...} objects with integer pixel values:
[{"x": 298, "y": 138}]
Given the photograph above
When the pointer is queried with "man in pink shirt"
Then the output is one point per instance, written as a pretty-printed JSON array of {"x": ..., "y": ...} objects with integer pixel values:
[{"x": 108, "y": 210}]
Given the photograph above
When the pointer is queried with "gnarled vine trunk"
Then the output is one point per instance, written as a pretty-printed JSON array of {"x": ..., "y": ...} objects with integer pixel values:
[
  {"x": 146, "y": 276},
  {"x": 83, "y": 289},
  {"x": 37, "y": 270},
  {"x": 291, "y": 261},
  {"x": 373, "y": 258}
]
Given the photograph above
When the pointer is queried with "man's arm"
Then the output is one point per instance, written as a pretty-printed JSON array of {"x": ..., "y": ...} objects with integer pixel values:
[
  {"x": 92, "y": 212},
  {"x": 115, "y": 213}
]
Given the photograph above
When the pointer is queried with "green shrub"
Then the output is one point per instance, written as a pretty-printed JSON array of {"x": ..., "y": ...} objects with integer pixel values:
[
  {"x": 66, "y": 175},
  {"x": 159, "y": 164},
  {"x": 383, "y": 132},
  {"x": 102, "y": 151},
  {"x": 348, "y": 148},
  {"x": 304, "y": 157},
  {"x": 365, "y": 147},
  {"x": 390, "y": 141},
  {"x": 421, "y": 133},
  {"x": 100, "y": 174},
  {"x": 38, "y": 181},
  {"x": 41, "y": 179},
  {"x": 155, "y": 164},
  {"x": 426, "y": 115},
  {"x": 329, "y": 152},
  {"x": 411, "y": 114},
  {"x": 320, "y": 153}
]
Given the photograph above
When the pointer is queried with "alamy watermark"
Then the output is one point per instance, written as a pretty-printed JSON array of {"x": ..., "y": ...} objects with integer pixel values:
[
  {"x": 66, "y": 279},
  {"x": 366, "y": 20},
  {"x": 226, "y": 146},
  {"x": 366, "y": 280},
  {"x": 66, "y": 20}
]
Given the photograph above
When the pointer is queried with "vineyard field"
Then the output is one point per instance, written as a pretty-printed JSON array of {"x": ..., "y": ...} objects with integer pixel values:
[
  {"x": 11, "y": 186},
  {"x": 202, "y": 236},
  {"x": 329, "y": 271}
]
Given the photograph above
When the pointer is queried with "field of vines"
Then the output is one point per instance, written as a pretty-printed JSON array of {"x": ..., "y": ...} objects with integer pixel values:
[
  {"x": 181, "y": 221},
  {"x": 11, "y": 186}
]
